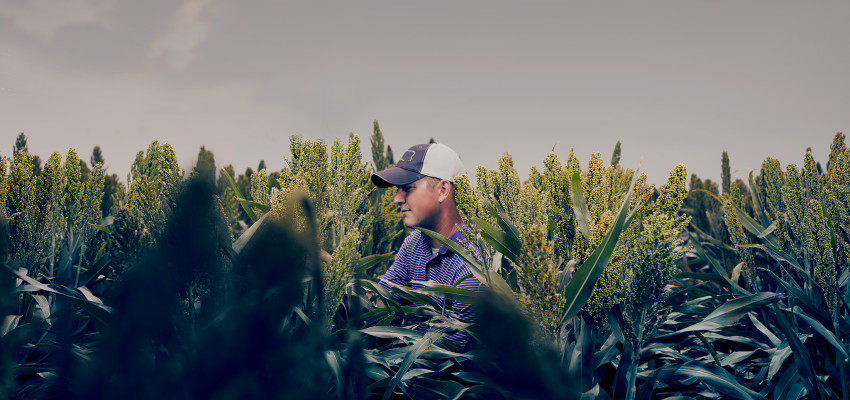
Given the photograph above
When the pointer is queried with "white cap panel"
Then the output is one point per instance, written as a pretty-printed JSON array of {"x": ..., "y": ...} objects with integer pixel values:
[{"x": 442, "y": 162}]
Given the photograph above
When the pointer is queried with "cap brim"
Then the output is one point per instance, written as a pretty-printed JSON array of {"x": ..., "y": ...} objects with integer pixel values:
[{"x": 394, "y": 176}]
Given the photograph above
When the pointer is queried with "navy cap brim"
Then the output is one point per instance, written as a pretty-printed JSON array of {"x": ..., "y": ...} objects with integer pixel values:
[{"x": 394, "y": 176}]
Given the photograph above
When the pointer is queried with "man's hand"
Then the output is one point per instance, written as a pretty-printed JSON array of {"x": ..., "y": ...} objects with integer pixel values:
[{"x": 326, "y": 260}]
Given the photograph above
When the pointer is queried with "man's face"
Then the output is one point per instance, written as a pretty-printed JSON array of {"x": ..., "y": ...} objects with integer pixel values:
[{"x": 419, "y": 203}]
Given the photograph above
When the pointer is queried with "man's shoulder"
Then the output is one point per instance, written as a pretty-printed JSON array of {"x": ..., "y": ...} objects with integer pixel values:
[
  {"x": 414, "y": 247},
  {"x": 413, "y": 240},
  {"x": 415, "y": 234}
]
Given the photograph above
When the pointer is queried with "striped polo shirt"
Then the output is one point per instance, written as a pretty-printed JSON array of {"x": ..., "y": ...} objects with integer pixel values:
[{"x": 415, "y": 261}]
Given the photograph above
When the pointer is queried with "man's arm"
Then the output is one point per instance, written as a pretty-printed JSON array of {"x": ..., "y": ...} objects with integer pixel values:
[{"x": 397, "y": 273}]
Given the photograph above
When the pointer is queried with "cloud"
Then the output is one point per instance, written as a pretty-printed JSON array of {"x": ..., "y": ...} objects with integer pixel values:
[
  {"x": 187, "y": 31},
  {"x": 43, "y": 18}
]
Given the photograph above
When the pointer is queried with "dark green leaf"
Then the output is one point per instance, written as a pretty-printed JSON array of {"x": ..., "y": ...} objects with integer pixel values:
[
  {"x": 715, "y": 265},
  {"x": 246, "y": 236},
  {"x": 239, "y": 195},
  {"x": 420, "y": 346},
  {"x": 501, "y": 241},
  {"x": 645, "y": 392},
  {"x": 801, "y": 356},
  {"x": 102, "y": 228},
  {"x": 94, "y": 271},
  {"x": 701, "y": 276},
  {"x": 453, "y": 293},
  {"x": 479, "y": 270},
  {"x": 756, "y": 199},
  {"x": 482, "y": 392},
  {"x": 768, "y": 230},
  {"x": 414, "y": 297},
  {"x": 731, "y": 311},
  {"x": 249, "y": 203},
  {"x": 581, "y": 284},
  {"x": 822, "y": 330},
  {"x": 796, "y": 292},
  {"x": 502, "y": 218},
  {"x": 392, "y": 332},
  {"x": 364, "y": 263},
  {"x": 712, "y": 376},
  {"x": 333, "y": 362},
  {"x": 763, "y": 329}
]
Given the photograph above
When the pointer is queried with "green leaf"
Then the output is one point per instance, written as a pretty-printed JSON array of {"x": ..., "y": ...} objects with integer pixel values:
[
  {"x": 581, "y": 284},
  {"x": 579, "y": 206},
  {"x": 392, "y": 332},
  {"x": 769, "y": 229},
  {"x": 483, "y": 392},
  {"x": 300, "y": 313},
  {"x": 246, "y": 236},
  {"x": 492, "y": 280},
  {"x": 771, "y": 242},
  {"x": 801, "y": 356},
  {"x": 701, "y": 276},
  {"x": 102, "y": 228},
  {"x": 777, "y": 254},
  {"x": 364, "y": 263},
  {"x": 789, "y": 386},
  {"x": 712, "y": 240},
  {"x": 249, "y": 203},
  {"x": 777, "y": 359},
  {"x": 95, "y": 270},
  {"x": 793, "y": 290},
  {"x": 764, "y": 331},
  {"x": 43, "y": 304},
  {"x": 102, "y": 314},
  {"x": 712, "y": 376},
  {"x": 333, "y": 362},
  {"x": 708, "y": 347},
  {"x": 13, "y": 335},
  {"x": 239, "y": 195},
  {"x": 735, "y": 357},
  {"x": 714, "y": 264},
  {"x": 501, "y": 217},
  {"x": 747, "y": 340},
  {"x": 756, "y": 199},
  {"x": 731, "y": 311},
  {"x": 448, "y": 292},
  {"x": 645, "y": 392},
  {"x": 33, "y": 369},
  {"x": 428, "y": 388},
  {"x": 413, "y": 297},
  {"x": 826, "y": 333},
  {"x": 385, "y": 295},
  {"x": 24, "y": 277},
  {"x": 411, "y": 356},
  {"x": 501, "y": 241}
]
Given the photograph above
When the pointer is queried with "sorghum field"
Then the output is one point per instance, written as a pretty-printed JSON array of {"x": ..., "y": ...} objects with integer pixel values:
[{"x": 212, "y": 284}]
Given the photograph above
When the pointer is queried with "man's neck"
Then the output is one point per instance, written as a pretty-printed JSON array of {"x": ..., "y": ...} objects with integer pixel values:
[{"x": 447, "y": 227}]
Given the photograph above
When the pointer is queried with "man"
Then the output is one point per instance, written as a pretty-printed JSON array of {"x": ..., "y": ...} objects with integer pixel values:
[{"x": 424, "y": 177}]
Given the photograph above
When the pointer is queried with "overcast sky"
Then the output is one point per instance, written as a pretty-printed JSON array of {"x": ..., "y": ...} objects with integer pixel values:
[{"x": 675, "y": 81}]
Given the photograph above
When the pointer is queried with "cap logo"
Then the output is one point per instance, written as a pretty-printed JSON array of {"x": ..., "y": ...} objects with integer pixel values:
[{"x": 409, "y": 159}]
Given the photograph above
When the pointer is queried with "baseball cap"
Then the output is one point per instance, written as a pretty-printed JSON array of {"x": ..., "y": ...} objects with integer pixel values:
[{"x": 431, "y": 159}]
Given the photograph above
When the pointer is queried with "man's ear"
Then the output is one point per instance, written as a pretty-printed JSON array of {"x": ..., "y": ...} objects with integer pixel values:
[{"x": 445, "y": 190}]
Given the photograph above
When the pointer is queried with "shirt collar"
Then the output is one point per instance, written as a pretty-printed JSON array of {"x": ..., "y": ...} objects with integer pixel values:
[{"x": 455, "y": 237}]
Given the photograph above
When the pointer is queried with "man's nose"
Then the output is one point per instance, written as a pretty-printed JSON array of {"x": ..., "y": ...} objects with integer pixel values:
[{"x": 399, "y": 196}]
